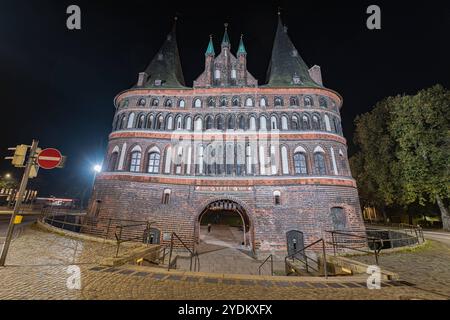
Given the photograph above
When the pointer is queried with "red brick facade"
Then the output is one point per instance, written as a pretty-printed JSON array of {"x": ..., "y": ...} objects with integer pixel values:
[{"x": 307, "y": 165}]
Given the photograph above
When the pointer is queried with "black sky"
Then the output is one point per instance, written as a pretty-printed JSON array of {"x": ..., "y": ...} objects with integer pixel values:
[{"x": 58, "y": 85}]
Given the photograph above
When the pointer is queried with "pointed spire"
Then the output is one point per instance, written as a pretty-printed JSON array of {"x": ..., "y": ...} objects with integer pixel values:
[
  {"x": 287, "y": 68},
  {"x": 165, "y": 68},
  {"x": 225, "y": 39},
  {"x": 210, "y": 49},
  {"x": 241, "y": 49}
]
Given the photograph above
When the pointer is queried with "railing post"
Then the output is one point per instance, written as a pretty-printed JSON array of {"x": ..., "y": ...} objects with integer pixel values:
[
  {"x": 64, "y": 221},
  {"x": 324, "y": 260},
  {"x": 170, "y": 252},
  {"x": 333, "y": 241},
  {"x": 271, "y": 265}
]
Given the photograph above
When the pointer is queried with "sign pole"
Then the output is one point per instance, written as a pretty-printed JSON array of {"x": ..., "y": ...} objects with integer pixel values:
[{"x": 22, "y": 189}]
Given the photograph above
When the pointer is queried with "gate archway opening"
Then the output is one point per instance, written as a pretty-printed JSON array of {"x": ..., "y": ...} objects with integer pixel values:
[{"x": 225, "y": 223}]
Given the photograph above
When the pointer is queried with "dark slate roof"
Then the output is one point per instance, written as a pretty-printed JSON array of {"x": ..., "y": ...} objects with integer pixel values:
[
  {"x": 166, "y": 65},
  {"x": 286, "y": 63}
]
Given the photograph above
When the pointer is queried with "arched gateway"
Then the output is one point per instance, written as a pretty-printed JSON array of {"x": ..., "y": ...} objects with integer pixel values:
[{"x": 224, "y": 222}]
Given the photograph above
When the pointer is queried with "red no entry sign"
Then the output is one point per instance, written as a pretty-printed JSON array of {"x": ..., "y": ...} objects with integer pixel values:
[{"x": 49, "y": 158}]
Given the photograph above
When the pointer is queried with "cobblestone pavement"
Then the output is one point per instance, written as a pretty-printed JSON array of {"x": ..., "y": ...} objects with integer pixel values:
[
  {"x": 427, "y": 267},
  {"x": 38, "y": 269}
]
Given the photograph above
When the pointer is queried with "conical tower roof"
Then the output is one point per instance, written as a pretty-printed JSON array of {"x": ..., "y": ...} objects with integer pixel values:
[
  {"x": 165, "y": 68},
  {"x": 287, "y": 68}
]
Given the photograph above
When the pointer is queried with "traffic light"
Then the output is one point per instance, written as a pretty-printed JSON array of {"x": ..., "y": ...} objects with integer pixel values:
[{"x": 20, "y": 152}]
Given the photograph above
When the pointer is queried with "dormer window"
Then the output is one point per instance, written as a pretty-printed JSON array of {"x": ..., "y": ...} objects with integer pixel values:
[
  {"x": 296, "y": 79},
  {"x": 158, "y": 83},
  {"x": 160, "y": 56}
]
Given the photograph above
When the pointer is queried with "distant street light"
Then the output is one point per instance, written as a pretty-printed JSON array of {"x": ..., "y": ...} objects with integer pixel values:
[{"x": 8, "y": 176}]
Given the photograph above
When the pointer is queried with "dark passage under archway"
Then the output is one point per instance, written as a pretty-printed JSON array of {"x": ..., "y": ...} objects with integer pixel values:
[{"x": 224, "y": 222}]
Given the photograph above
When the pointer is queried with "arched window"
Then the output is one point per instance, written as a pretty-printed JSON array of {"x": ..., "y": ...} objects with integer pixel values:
[
  {"x": 337, "y": 126},
  {"x": 284, "y": 123},
  {"x": 338, "y": 218},
  {"x": 166, "y": 196},
  {"x": 284, "y": 160},
  {"x": 262, "y": 123},
  {"x": 322, "y": 102},
  {"x": 141, "y": 122},
  {"x": 241, "y": 122},
  {"x": 112, "y": 164},
  {"x": 233, "y": 73},
  {"x": 220, "y": 123},
  {"x": 319, "y": 163},
  {"x": 141, "y": 102},
  {"x": 198, "y": 124},
  {"x": 307, "y": 101},
  {"x": 293, "y": 101},
  {"x": 240, "y": 158},
  {"x": 150, "y": 122},
  {"x": 116, "y": 124},
  {"x": 135, "y": 160},
  {"x": 217, "y": 74},
  {"x": 231, "y": 122},
  {"x": 197, "y": 103},
  {"x": 327, "y": 123},
  {"x": 305, "y": 123},
  {"x": 154, "y": 159},
  {"x": 188, "y": 123},
  {"x": 160, "y": 123},
  {"x": 273, "y": 123},
  {"x": 294, "y": 123},
  {"x": 125, "y": 103},
  {"x": 235, "y": 102},
  {"x": 278, "y": 102},
  {"x": 209, "y": 122},
  {"x": 155, "y": 102},
  {"x": 315, "y": 123},
  {"x": 273, "y": 160},
  {"x": 130, "y": 120},
  {"x": 277, "y": 198},
  {"x": 252, "y": 123},
  {"x": 181, "y": 103},
  {"x": 262, "y": 102},
  {"x": 123, "y": 122},
  {"x": 179, "y": 123},
  {"x": 300, "y": 163},
  {"x": 169, "y": 125},
  {"x": 168, "y": 103},
  {"x": 211, "y": 102},
  {"x": 223, "y": 102},
  {"x": 249, "y": 102}
]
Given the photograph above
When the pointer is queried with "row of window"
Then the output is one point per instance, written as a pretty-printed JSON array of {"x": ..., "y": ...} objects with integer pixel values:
[
  {"x": 234, "y": 159},
  {"x": 303, "y": 121},
  {"x": 235, "y": 101}
]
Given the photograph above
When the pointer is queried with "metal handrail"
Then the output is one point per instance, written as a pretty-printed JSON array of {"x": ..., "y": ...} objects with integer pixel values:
[
  {"x": 193, "y": 255},
  {"x": 271, "y": 264},
  {"x": 376, "y": 251},
  {"x": 294, "y": 257}
]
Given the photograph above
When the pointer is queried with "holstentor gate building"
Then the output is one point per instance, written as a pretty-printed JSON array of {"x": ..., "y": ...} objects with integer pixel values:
[{"x": 273, "y": 152}]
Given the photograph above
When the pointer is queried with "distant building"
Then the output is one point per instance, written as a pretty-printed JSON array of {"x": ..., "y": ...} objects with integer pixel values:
[{"x": 272, "y": 153}]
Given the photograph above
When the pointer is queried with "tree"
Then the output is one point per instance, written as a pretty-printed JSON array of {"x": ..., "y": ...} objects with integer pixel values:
[
  {"x": 371, "y": 166},
  {"x": 404, "y": 151},
  {"x": 420, "y": 126}
]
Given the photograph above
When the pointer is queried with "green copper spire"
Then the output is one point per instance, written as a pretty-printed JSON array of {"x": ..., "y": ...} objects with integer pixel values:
[
  {"x": 241, "y": 49},
  {"x": 210, "y": 49},
  {"x": 226, "y": 39}
]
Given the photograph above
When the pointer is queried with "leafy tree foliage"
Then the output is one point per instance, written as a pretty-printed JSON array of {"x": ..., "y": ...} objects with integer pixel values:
[{"x": 405, "y": 150}]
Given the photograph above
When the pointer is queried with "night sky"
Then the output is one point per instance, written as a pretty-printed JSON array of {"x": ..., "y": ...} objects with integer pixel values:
[{"x": 58, "y": 85}]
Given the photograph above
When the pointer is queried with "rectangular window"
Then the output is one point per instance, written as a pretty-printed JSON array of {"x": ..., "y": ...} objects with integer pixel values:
[
  {"x": 135, "y": 163},
  {"x": 233, "y": 74}
]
